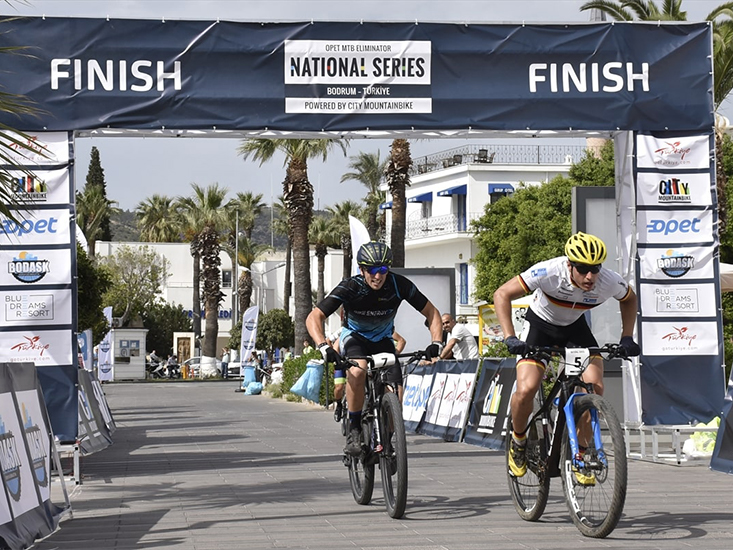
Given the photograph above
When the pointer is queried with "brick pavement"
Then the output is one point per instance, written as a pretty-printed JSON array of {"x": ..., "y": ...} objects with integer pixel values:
[{"x": 197, "y": 466}]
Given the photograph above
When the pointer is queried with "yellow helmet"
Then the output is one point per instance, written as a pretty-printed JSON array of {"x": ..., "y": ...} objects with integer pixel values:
[{"x": 585, "y": 249}]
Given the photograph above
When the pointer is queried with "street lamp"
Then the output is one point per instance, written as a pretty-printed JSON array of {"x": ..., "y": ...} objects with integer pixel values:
[{"x": 235, "y": 289}]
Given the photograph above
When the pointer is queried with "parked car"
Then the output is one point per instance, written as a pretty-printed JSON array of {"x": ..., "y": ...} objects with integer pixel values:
[{"x": 194, "y": 364}]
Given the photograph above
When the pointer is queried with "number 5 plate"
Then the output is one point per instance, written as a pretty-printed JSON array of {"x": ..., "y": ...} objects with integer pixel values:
[{"x": 575, "y": 360}]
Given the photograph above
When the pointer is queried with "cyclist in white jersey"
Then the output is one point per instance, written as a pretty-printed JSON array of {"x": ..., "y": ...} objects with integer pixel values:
[{"x": 564, "y": 289}]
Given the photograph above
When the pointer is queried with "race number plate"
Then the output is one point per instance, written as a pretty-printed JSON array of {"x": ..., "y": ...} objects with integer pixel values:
[{"x": 576, "y": 360}]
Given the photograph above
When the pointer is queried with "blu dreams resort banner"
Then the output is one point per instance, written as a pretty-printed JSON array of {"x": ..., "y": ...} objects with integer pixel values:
[{"x": 85, "y": 74}]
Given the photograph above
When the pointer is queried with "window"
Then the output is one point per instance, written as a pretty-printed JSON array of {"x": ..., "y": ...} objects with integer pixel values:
[
  {"x": 226, "y": 278},
  {"x": 463, "y": 282},
  {"x": 427, "y": 210}
]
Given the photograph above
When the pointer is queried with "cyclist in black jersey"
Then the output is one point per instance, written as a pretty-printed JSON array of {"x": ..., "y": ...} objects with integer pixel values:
[{"x": 370, "y": 301}]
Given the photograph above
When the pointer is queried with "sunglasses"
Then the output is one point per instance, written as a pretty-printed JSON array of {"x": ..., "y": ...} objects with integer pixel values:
[
  {"x": 377, "y": 269},
  {"x": 584, "y": 269}
]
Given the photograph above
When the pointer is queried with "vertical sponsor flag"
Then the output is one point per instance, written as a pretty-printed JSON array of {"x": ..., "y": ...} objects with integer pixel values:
[
  {"x": 249, "y": 333},
  {"x": 104, "y": 355},
  {"x": 359, "y": 236}
]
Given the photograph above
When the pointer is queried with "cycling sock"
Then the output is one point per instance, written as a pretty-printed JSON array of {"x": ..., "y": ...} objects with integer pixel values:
[
  {"x": 354, "y": 420},
  {"x": 520, "y": 439}
]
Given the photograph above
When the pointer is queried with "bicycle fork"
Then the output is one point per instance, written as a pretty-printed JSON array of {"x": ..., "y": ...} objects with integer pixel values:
[{"x": 578, "y": 460}]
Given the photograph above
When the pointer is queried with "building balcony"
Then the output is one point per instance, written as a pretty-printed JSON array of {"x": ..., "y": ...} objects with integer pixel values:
[
  {"x": 499, "y": 154},
  {"x": 439, "y": 226}
]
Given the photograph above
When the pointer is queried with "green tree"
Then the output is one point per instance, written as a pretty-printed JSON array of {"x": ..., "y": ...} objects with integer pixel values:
[
  {"x": 369, "y": 171},
  {"x": 322, "y": 234},
  {"x": 137, "y": 275},
  {"x": 162, "y": 320},
  {"x": 248, "y": 206},
  {"x": 92, "y": 209},
  {"x": 397, "y": 174},
  {"x": 206, "y": 218},
  {"x": 517, "y": 231},
  {"x": 726, "y": 251},
  {"x": 247, "y": 253},
  {"x": 274, "y": 330},
  {"x": 93, "y": 281},
  {"x": 298, "y": 198},
  {"x": 95, "y": 180},
  {"x": 595, "y": 169},
  {"x": 158, "y": 220}
]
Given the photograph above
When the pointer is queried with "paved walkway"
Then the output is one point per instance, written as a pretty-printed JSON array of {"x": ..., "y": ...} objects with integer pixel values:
[{"x": 197, "y": 466}]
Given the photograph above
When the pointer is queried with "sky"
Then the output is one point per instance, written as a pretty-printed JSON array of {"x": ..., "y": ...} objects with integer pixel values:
[{"x": 135, "y": 168}]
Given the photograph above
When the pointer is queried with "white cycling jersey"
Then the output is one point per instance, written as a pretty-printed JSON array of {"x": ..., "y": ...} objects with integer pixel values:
[{"x": 558, "y": 300}]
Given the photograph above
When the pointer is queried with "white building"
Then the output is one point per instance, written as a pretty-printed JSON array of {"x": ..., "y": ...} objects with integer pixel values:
[{"x": 451, "y": 188}]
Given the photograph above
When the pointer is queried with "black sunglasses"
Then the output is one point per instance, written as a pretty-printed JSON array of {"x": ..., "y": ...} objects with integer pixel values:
[{"x": 584, "y": 269}]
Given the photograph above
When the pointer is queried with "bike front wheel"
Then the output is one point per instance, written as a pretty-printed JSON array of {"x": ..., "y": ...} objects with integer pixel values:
[
  {"x": 393, "y": 458},
  {"x": 530, "y": 492},
  {"x": 361, "y": 468},
  {"x": 595, "y": 489}
]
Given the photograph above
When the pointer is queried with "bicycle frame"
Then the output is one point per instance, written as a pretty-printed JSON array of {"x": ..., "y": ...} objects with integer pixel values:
[{"x": 562, "y": 396}]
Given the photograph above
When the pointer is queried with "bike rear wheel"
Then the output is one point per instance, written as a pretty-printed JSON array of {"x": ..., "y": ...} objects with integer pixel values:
[
  {"x": 530, "y": 492},
  {"x": 596, "y": 498},
  {"x": 393, "y": 458},
  {"x": 361, "y": 468}
]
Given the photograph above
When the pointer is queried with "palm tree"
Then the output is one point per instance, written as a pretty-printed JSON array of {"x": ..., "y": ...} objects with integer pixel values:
[
  {"x": 722, "y": 20},
  {"x": 398, "y": 179},
  {"x": 159, "y": 220},
  {"x": 205, "y": 216},
  {"x": 323, "y": 233},
  {"x": 340, "y": 213},
  {"x": 281, "y": 226},
  {"x": 369, "y": 171},
  {"x": 92, "y": 209},
  {"x": 247, "y": 253},
  {"x": 298, "y": 198},
  {"x": 249, "y": 206}
]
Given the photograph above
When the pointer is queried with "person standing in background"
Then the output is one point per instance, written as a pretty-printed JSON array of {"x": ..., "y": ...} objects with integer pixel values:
[{"x": 225, "y": 363}]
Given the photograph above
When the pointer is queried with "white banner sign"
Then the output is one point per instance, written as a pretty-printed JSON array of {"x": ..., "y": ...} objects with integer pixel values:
[
  {"x": 677, "y": 300},
  {"x": 44, "y": 348},
  {"x": 676, "y": 263},
  {"x": 249, "y": 333},
  {"x": 29, "y": 267},
  {"x": 674, "y": 226},
  {"x": 416, "y": 395},
  {"x": 44, "y": 149},
  {"x": 673, "y": 153},
  {"x": 104, "y": 351},
  {"x": 41, "y": 227},
  {"x": 673, "y": 189},
  {"x": 36, "y": 307},
  {"x": 680, "y": 338}
]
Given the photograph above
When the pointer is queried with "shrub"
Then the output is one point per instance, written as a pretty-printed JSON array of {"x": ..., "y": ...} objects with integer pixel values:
[{"x": 294, "y": 369}]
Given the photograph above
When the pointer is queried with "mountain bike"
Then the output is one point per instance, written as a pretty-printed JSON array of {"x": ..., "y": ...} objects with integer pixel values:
[
  {"x": 383, "y": 432},
  {"x": 594, "y": 478}
]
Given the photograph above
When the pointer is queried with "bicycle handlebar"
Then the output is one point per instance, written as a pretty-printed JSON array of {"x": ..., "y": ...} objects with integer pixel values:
[{"x": 607, "y": 351}]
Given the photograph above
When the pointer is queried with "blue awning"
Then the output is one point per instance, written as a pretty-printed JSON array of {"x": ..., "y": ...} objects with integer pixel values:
[
  {"x": 425, "y": 197},
  {"x": 457, "y": 190},
  {"x": 501, "y": 188},
  {"x": 385, "y": 205}
]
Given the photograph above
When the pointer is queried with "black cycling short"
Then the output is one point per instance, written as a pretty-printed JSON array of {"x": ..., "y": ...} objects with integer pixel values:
[
  {"x": 538, "y": 332},
  {"x": 357, "y": 346}
]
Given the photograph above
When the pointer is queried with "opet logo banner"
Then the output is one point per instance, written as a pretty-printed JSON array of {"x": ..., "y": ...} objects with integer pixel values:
[
  {"x": 37, "y": 227},
  {"x": 674, "y": 227}
]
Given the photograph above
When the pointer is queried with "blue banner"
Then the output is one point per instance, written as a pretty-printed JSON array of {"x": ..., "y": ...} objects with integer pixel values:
[{"x": 86, "y": 74}]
